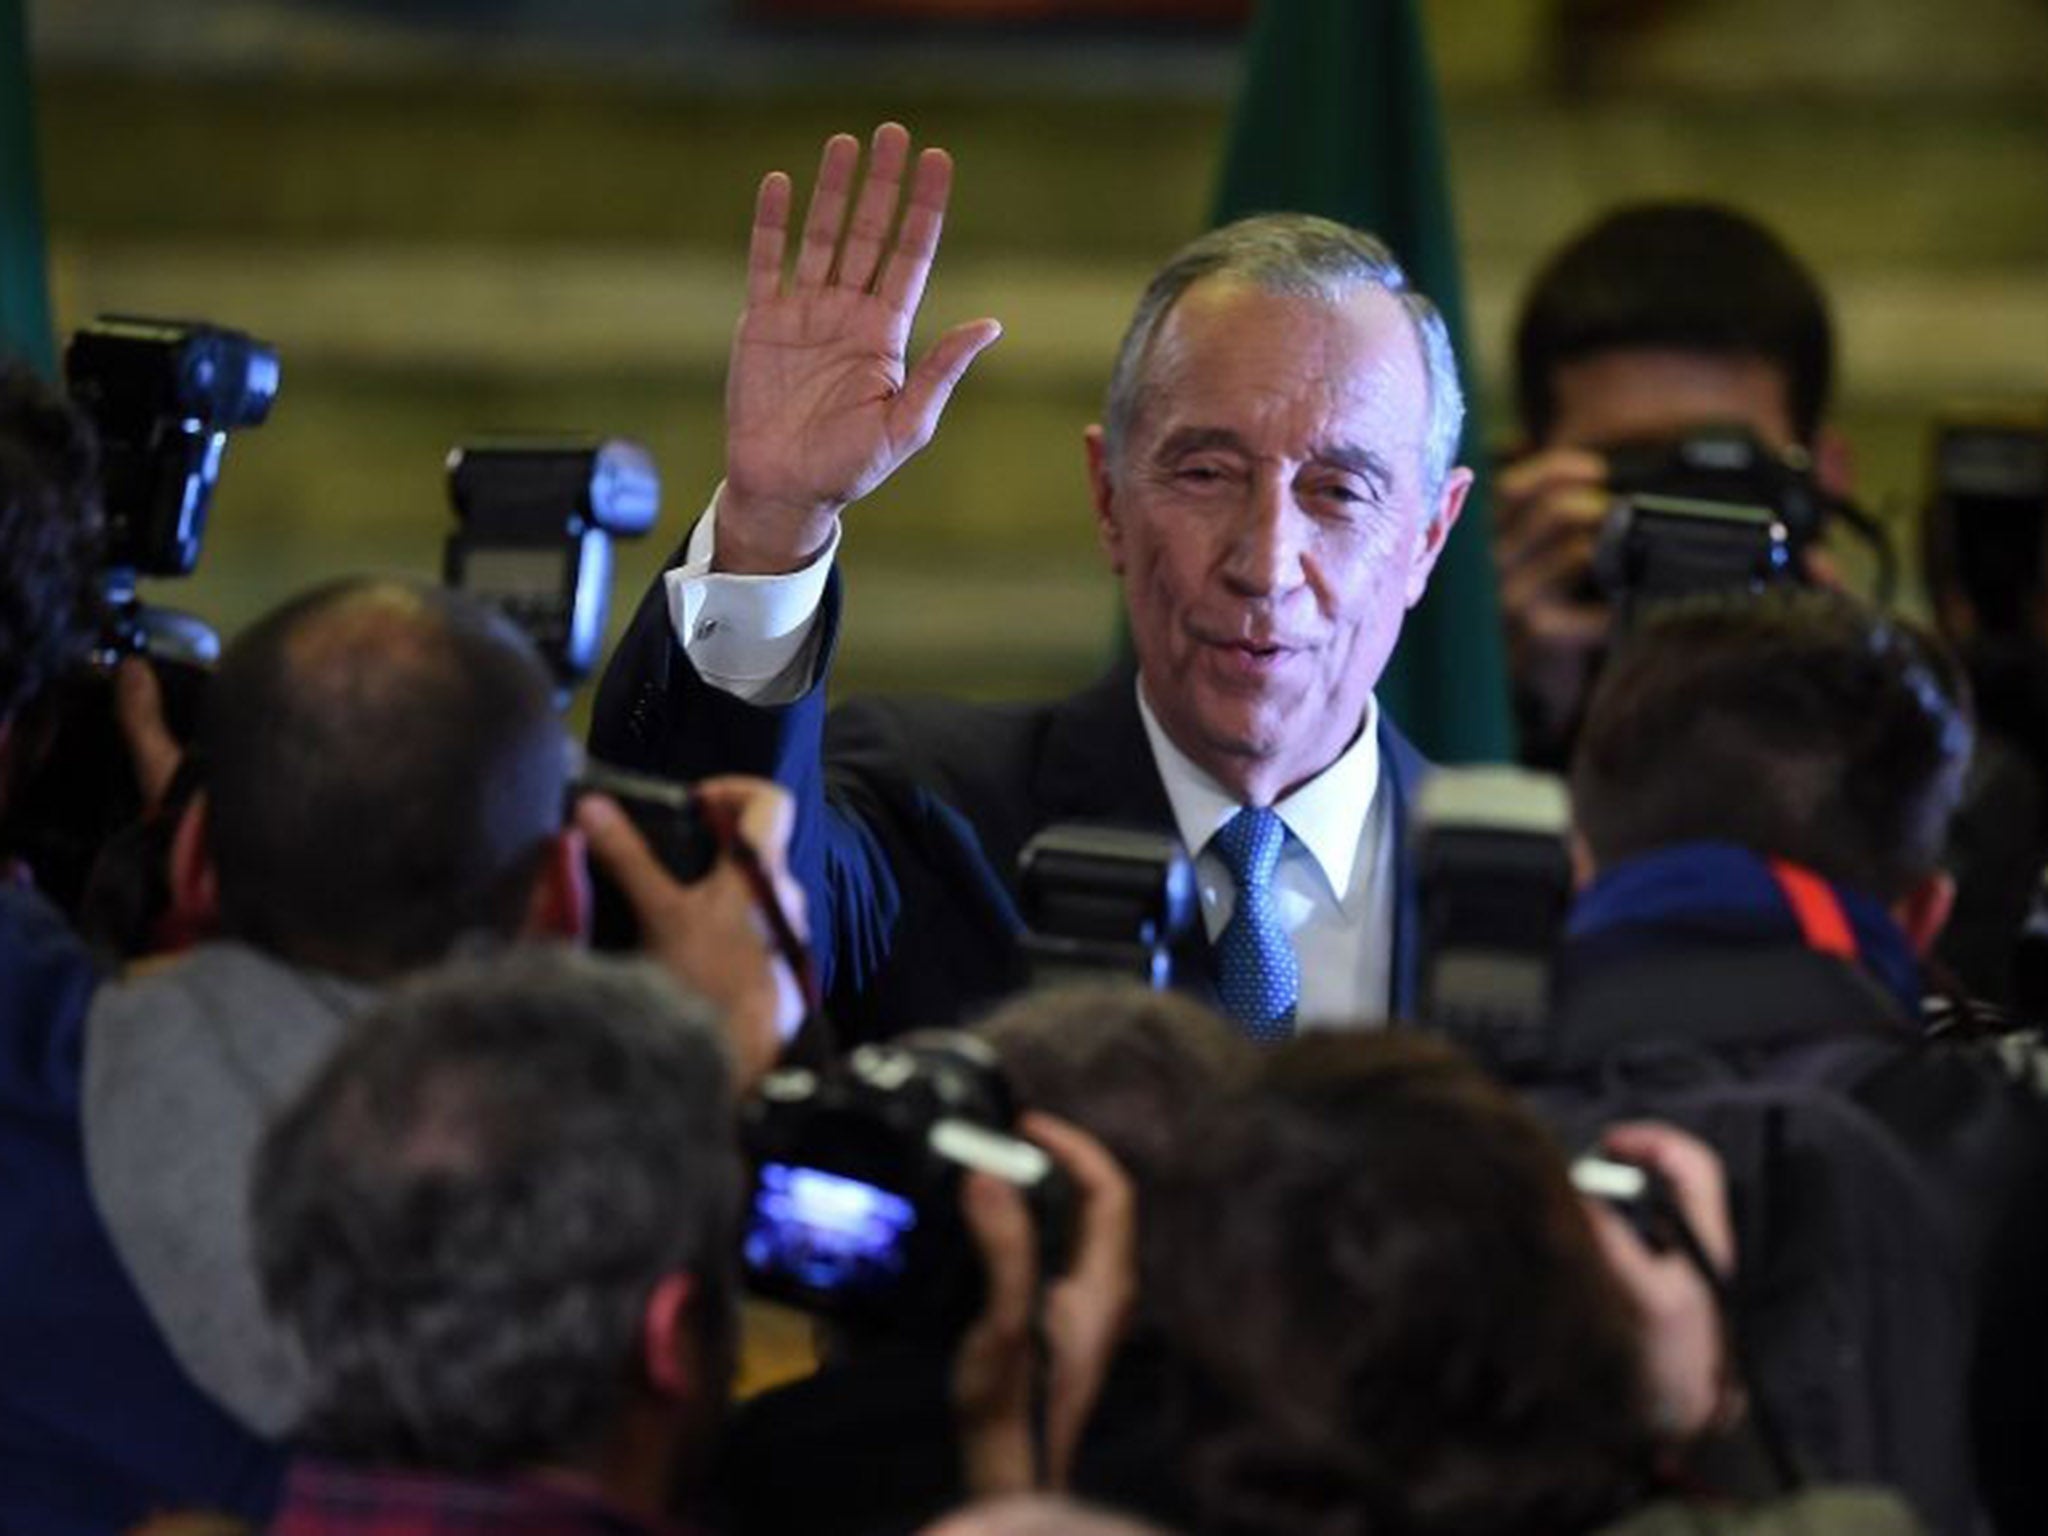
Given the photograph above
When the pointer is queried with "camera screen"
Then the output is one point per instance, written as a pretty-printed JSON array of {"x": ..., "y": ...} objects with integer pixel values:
[{"x": 826, "y": 1232}]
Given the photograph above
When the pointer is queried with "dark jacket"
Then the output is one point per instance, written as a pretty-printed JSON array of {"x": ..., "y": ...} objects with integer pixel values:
[
  {"x": 99, "y": 1423},
  {"x": 912, "y": 812}
]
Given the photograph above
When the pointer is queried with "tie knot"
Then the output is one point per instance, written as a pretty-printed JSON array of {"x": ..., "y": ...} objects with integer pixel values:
[{"x": 1249, "y": 845}]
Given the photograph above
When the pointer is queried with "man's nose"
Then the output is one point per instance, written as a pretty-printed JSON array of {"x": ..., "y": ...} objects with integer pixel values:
[{"x": 1265, "y": 551}]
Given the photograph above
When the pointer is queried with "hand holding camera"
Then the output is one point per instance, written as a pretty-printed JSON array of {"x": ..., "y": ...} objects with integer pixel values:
[
  {"x": 1669, "y": 1240},
  {"x": 1079, "y": 1318},
  {"x": 718, "y": 934}
]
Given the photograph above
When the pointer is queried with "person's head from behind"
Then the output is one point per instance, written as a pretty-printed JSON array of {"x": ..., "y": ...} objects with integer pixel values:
[
  {"x": 1273, "y": 482},
  {"x": 384, "y": 774},
  {"x": 1798, "y": 724},
  {"x": 49, "y": 540},
  {"x": 1386, "y": 1309},
  {"x": 1122, "y": 1061},
  {"x": 1663, "y": 316},
  {"x": 500, "y": 1224}
]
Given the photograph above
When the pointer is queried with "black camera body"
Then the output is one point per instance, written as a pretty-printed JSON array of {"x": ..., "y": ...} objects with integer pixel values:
[
  {"x": 163, "y": 396},
  {"x": 1714, "y": 510},
  {"x": 1101, "y": 902},
  {"x": 1725, "y": 466},
  {"x": 1987, "y": 514},
  {"x": 667, "y": 815},
  {"x": 1496, "y": 885},
  {"x": 536, "y": 519},
  {"x": 857, "y": 1168}
]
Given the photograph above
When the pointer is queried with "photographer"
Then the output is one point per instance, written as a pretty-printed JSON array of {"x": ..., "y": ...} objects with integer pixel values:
[
  {"x": 1658, "y": 319},
  {"x": 1126, "y": 1065},
  {"x": 503, "y": 1224},
  {"x": 1384, "y": 1307},
  {"x": 1760, "y": 797},
  {"x": 383, "y": 782},
  {"x": 1666, "y": 319}
]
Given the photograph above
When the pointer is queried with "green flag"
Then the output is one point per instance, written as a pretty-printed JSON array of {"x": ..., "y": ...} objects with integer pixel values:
[
  {"x": 1338, "y": 116},
  {"x": 24, "y": 290}
]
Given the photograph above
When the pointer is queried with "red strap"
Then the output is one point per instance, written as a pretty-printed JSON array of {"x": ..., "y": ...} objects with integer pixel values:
[{"x": 1819, "y": 911}]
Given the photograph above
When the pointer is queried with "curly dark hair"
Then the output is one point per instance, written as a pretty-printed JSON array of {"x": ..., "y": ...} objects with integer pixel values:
[
  {"x": 1385, "y": 1313},
  {"x": 50, "y": 526},
  {"x": 463, "y": 1217}
]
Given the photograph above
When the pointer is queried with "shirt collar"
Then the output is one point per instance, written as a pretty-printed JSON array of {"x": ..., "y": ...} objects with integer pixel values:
[{"x": 1326, "y": 815}]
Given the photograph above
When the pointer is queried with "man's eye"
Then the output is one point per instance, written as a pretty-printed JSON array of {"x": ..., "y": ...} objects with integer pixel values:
[
  {"x": 1344, "y": 493},
  {"x": 1201, "y": 474}
]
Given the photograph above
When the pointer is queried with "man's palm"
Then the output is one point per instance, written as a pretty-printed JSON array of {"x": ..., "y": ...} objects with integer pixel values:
[{"x": 820, "y": 405}]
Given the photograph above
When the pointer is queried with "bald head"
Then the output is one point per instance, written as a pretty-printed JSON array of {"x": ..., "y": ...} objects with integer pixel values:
[{"x": 384, "y": 772}]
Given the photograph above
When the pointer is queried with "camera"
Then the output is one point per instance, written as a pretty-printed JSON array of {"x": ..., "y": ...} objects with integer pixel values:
[
  {"x": 1639, "y": 1195},
  {"x": 1657, "y": 547},
  {"x": 163, "y": 395},
  {"x": 1724, "y": 466},
  {"x": 535, "y": 524},
  {"x": 1496, "y": 882},
  {"x": 855, "y": 1213},
  {"x": 1709, "y": 511},
  {"x": 667, "y": 815},
  {"x": 1986, "y": 515},
  {"x": 1100, "y": 901}
]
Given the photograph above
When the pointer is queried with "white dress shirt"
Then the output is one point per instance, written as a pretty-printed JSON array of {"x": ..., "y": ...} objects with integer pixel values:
[
  {"x": 755, "y": 637},
  {"x": 1334, "y": 885}
]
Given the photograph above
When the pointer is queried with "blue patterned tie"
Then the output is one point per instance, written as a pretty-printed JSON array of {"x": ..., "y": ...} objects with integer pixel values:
[{"x": 1257, "y": 972}]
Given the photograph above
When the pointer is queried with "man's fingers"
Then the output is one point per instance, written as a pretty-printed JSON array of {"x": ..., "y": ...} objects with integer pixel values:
[
  {"x": 763, "y": 815},
  {"x": 914, "y": 415},
  {"x": 1560, "y": 573},
  {"x": 139, "y": 708},
  {"x": 876, "y": 210},
  {"x": 1564, "y": 516},
  {"x": 903, "y": 279},
  {"x": 618, "y": 846},
  {"x": 1520, "y": 484},
  {"x": 1001, "y": 1227},
  {"x": 828, "y": 210},
  {"x": 1693, "y": 1171},
  {"x": 771, "y": 236},
  {"x": 1108, "y": 1205}
]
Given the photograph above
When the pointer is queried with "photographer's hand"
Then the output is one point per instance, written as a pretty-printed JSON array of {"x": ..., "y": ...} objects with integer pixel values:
[
  {"x": 1685, "y": 1351},
  {"x": 1080, "y": 1318},
  {"x": 711, "y": 935},
  {"x": 1548, "y": 511},
  {"x": 820, "y": 407},
  {"x": 153, "y": 751}
]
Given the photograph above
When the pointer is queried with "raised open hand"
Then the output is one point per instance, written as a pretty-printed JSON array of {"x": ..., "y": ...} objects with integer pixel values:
[{"x": 820, "y": 408}]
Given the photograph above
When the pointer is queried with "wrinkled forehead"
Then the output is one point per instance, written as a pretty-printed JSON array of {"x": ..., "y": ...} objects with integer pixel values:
[{"x": 1230, "y": 354}]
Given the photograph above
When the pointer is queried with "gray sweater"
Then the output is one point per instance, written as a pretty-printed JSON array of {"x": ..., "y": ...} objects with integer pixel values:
[{"x": 184, "y": 1069}]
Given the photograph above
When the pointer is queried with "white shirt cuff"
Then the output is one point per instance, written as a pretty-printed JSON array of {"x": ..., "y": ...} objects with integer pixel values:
[{"x": 750, "y": 636}]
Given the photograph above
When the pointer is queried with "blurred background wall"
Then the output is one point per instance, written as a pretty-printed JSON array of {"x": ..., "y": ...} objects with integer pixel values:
[{"x": 458, "y": 216}]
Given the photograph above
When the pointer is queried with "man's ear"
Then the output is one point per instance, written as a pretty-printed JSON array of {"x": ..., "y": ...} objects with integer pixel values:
[
  {"x": 1924, "y": 910},
  {"x": 1102, "y": 487},
  {"x": 194, "y": 879},
  {"x": 1449, "y": 503},
  {"x": 559, "y": 904},
  {"x": 668, "y": 1349}
]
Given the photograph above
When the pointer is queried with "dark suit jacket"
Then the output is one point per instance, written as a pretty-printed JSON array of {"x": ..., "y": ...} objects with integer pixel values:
[{"x": 911, "y": 814}]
